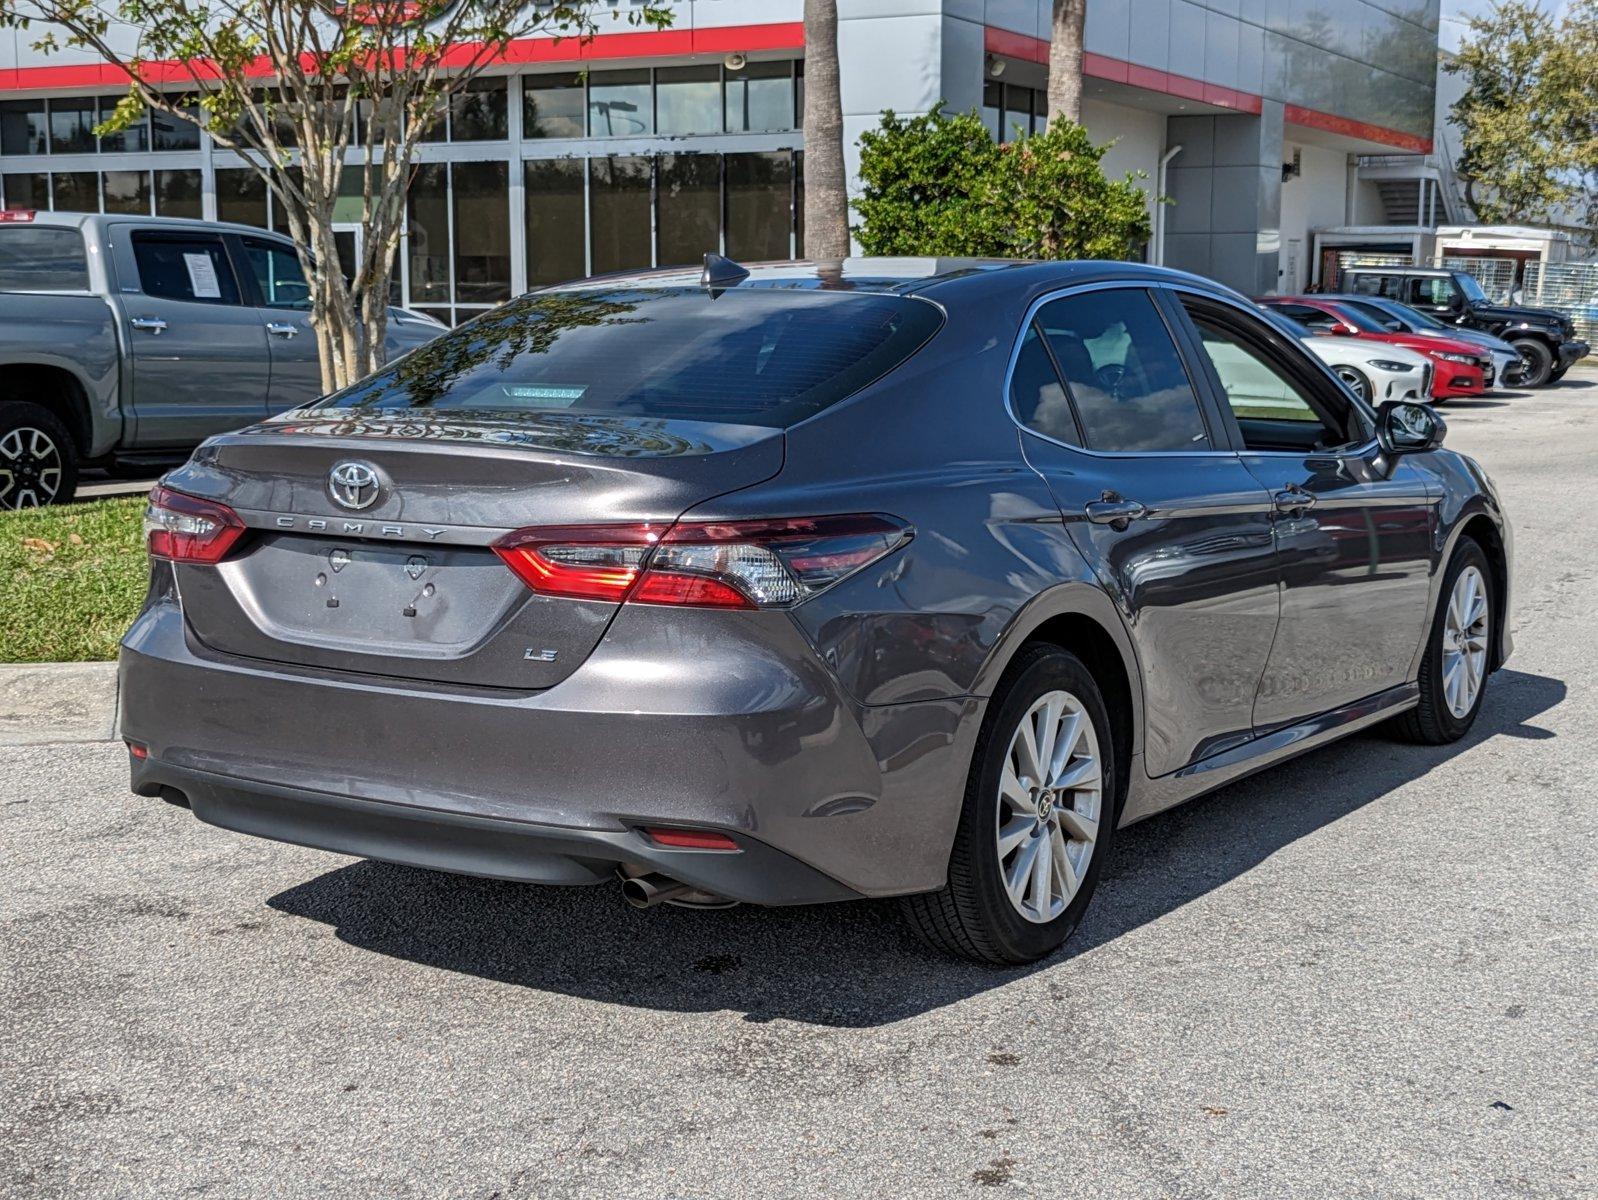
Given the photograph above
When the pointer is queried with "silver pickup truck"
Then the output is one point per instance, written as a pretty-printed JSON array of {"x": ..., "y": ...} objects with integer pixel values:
[{"x": 126, "y": 341}]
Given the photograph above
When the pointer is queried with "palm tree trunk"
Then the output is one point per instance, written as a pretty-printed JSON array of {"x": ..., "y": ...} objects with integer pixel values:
[
  {"x": 1065, "y": 60},
  {"x": 826, "y": 188}
]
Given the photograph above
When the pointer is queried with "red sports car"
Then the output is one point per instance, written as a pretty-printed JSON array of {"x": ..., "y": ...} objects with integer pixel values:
[{"x": 1462, "y": 369}]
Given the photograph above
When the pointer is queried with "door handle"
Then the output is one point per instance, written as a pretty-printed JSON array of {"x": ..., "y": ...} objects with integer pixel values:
[
  {"x": 1115, "y": 511},
  {"x": 1293, "y": 500},
  {"x": 281, "y": 329},
  {"x": 153, "y": 325}
]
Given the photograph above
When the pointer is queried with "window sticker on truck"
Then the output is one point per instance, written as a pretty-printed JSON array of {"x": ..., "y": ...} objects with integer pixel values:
[{"x": 202, "y": 277}]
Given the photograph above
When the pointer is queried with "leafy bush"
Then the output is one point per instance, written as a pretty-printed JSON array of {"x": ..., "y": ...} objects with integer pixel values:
[{"x": 939, "y": 184}]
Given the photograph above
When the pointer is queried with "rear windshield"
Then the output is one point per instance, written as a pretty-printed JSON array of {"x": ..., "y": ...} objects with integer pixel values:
[
  {"x": 742, "y": 356},
  {"x": 38, "y": 258}
]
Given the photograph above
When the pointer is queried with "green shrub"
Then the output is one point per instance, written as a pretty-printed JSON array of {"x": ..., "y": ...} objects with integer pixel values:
[{"x": 938, "y": 184}]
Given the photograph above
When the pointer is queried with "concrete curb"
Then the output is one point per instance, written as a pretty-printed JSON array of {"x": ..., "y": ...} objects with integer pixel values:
[{"x": 57, "y": 702}]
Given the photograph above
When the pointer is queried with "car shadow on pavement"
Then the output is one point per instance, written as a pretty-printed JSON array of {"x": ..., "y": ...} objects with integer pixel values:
[{"x": 854, "y": 965}]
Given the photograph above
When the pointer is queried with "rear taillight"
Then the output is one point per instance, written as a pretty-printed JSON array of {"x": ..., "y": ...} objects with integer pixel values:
[
  {"x": 187, "y": 529},
  {"x": 701, "y": 564}
]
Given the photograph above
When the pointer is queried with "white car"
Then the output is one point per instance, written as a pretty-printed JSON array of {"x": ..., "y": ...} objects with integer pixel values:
[{"x": 1374, "y": 371}]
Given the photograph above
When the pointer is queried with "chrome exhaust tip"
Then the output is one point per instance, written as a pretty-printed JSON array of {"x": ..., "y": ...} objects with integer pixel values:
[{"x": 646, "y": 891}]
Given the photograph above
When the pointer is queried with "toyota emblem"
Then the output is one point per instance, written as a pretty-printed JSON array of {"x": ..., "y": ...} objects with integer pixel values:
[{"x": 354, "y": 485}]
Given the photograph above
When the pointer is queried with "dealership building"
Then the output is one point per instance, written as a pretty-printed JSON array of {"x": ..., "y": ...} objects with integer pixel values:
[{"x": 640, "y": 148}]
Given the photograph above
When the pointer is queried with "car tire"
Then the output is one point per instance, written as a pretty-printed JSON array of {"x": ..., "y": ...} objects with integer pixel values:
[
  {"x": 975, "y": 914},
  {"x": 1445, "y": 714},
  {"x": 1556, "y": 375},
  {"x": 1359, "y": 383},
  {"x": 1538, "y": 363},
  {"x": 38, "y": 461}
]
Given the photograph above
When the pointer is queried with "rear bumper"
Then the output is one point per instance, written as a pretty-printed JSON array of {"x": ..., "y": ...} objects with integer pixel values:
[
  {"x": 680, "y": 717},
  {"x": 451, "y": 840}
]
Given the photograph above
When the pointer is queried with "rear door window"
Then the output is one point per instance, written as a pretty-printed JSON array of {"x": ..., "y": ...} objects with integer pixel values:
[
  {"x": 751, "y": 356},
  {"x": 277, "y": 274},
  {"x": 1432, "y": 291},
  {"x": 1123, "y": 372},
  {"x": 192, "y": 268},
  {"x": 41, "y": 259}
]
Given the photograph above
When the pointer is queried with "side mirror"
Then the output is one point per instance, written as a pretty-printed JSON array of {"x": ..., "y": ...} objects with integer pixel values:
[{"x": 1403, "y": 427}]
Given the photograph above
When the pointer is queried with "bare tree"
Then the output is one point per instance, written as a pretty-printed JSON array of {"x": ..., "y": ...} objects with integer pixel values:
[
  {"x": 1065, "y": 60},
  {"x": 305, "y": 91},
  {"x": 826, "y": 186}
]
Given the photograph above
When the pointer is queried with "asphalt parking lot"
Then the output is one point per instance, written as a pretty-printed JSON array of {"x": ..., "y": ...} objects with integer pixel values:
[{"x": 1373, "y": 972}]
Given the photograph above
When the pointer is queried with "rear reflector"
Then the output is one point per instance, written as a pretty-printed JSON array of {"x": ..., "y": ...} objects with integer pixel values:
[
  {"x": 691, "y": 839},
  {"x": 185, "y": 528},
  {"x": 701, "y": 564},
  {"x": 139, "y": 750}
]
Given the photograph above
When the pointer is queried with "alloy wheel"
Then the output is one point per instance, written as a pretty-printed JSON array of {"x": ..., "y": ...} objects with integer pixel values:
[
  {"x": 1051, "y": 796},
  {"x": 1465, "y": 635},
  {"x": 1356, "y": 382},
  {"x": 30, "y": 468}
]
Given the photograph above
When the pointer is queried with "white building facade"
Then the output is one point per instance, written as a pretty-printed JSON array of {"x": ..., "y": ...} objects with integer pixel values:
[{"x": 649, "y": 148}]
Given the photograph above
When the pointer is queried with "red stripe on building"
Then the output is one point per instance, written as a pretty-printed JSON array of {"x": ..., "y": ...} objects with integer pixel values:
[
  {"x": 1311, "y": 119},
  {"x": 663, "y": 43},
  {"x": 1099, "y": 66}
]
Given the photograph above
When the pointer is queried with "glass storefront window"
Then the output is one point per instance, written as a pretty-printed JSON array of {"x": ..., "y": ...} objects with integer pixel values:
[
  {"x": 177, "y": 194},
  {"x": 127, "y": 192},
  {"x": 76, "y": 191},
  {"x": 1017, "y": 111},
  {"x": 759, "y": 205},
  {"x": 174, "y": 133},
  {"x": 72, "y": 124},
  {"x": 993, "y": 109},
  {"x": 482, "y": 232},
  {"x": 428, "y": 228},
  {"x": 22, "y": 127},
  {"x": 26, "y": 190},
  {"x": 619, "y": 104},
  {"x": 477, "y": 114},
  {"x": 688, "y": 100},
  {"x": 555, "y": 233},
  {"x": 135, "y": 137},
  {"x": 240, "y": 197},
  {"x": 619, "y": 213},
  {"x": 552, "y": 106},
  {"x": 760, "y": 98},
  {"x": 690, "y": 208}
]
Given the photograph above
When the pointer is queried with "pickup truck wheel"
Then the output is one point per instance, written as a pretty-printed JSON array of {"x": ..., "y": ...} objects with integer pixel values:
[
  {"x": 1537, "y": 363},
  {"x": 38, "y": 462}
]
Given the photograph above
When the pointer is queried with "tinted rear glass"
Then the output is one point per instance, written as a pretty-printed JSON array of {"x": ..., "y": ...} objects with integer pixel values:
[
  {"x": 42, "y": 259},
  {"x": 746, "y": 356}
]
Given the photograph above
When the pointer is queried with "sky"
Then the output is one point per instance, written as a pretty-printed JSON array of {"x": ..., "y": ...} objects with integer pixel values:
[{"x": 1455, "y": 12}]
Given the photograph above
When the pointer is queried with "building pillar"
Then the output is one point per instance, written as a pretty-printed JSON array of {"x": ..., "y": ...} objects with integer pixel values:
[{"x": 1226, "y": 185}]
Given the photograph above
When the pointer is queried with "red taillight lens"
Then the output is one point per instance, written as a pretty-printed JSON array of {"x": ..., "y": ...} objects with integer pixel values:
[
  {"x": 586, "y": 562},
  {"x": 138, "y": 750},
  {"x": 691, "y": 839},
  {"x": 702, "y": 564},
  {"x": 187, "y": 529}
]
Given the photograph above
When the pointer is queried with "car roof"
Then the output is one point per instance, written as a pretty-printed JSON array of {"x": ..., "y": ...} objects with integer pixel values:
[
  {"x": 1398, "y": 270},
  {"x": 901, "y": 275},
  {"x": 73, "y": 220}
]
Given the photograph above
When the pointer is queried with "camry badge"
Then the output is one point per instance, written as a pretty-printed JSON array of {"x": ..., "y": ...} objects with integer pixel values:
[{"x": 354, "y": 484}]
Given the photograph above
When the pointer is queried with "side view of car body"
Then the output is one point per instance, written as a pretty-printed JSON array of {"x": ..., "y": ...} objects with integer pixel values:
[
  {"x": 806, "y": 582},
  {"x": 1458, "y": 368},
  {"x": 1508, "y": 365},
  {"x": 1546, "y": 340},
  {"x": 1374, "y": 372},
  {"x": 128, "y": 340}
]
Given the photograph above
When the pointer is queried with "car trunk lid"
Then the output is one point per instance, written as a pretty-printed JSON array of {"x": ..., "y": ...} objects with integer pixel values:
[{"x": 399, "y": 579}]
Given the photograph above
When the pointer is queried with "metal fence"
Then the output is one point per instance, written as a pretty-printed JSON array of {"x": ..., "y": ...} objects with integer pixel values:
[
  {"x": 1355, "y": 258},
  {"x": 1570, "y": 288},
  {"x": 1496, "y": 275}
]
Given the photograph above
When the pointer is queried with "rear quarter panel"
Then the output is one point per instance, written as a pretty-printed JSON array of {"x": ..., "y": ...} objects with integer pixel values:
[{"x": 76, "y": 333}]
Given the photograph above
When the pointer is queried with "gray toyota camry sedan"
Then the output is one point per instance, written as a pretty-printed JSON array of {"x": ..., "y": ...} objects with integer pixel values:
[{"x": 808, "y": 582}]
